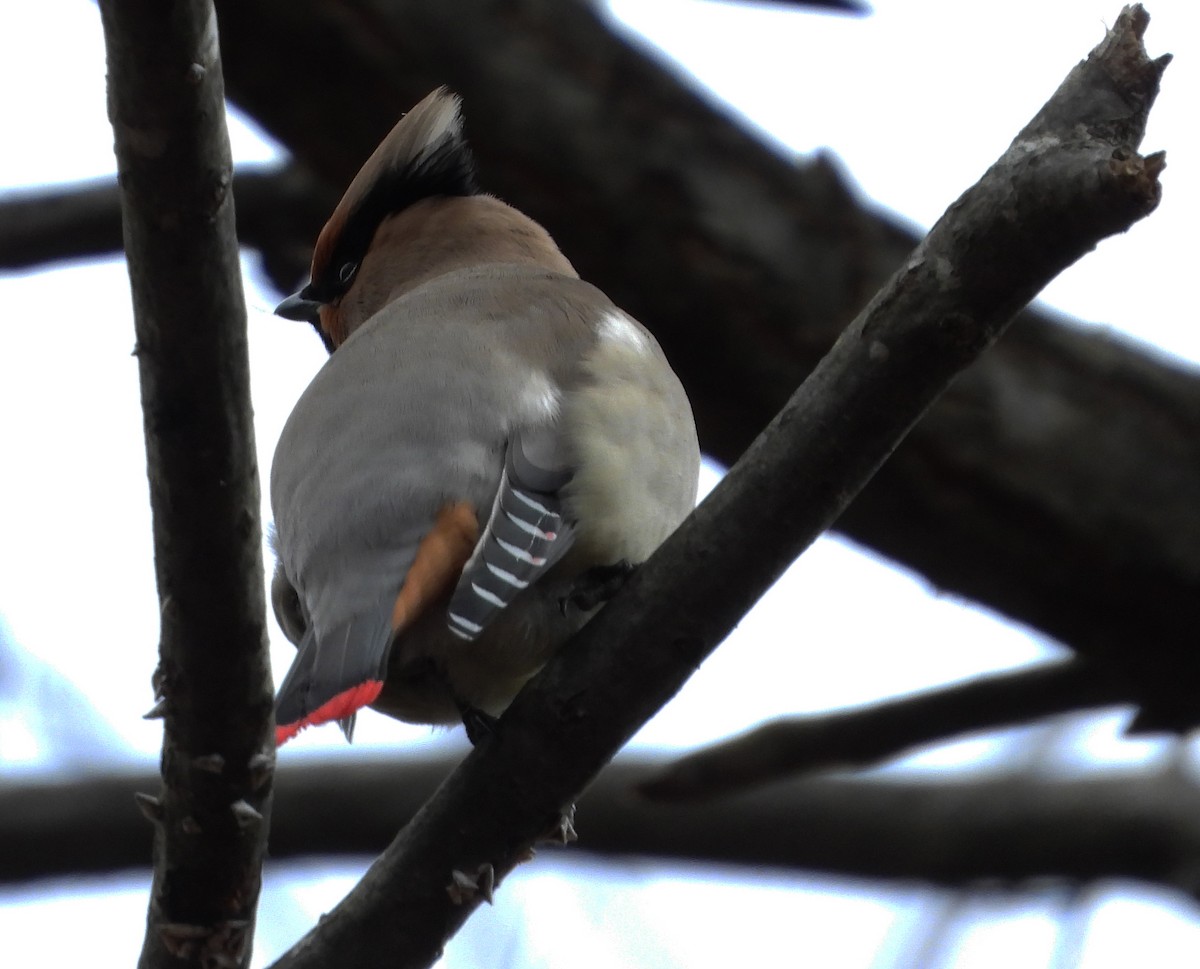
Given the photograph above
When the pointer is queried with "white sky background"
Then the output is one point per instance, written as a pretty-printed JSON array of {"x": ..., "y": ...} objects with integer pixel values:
[{"x": 917, "y": 101}]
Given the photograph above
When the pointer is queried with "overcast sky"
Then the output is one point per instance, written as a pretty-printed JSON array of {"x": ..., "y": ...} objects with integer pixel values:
[{"x": 917, "y": 101}]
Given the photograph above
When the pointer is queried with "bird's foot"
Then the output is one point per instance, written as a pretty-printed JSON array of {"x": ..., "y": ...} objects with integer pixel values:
[
  {"x": 597, "y": 585},
  {"x": 562, "y": 829},
  {"x": 479, "y": 725}
]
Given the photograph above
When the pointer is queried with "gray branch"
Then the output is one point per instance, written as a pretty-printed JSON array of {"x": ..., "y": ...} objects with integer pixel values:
[
  {"x": 1118, "y": 825},
  {"x": 278, "y": 213},
  {"x": 838, "y": 6},
  {"x": 1072, "y": 177},
  {"x": 866, "y": 736},
  {"x": 166, "y": 104},
  {"x": 1006, "y": 828}
]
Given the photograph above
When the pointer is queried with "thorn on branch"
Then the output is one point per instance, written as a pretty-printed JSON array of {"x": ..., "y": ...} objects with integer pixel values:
[
  {"x": 245, "y": 814},
  {"x": 464, "y": 887},
  {"x": 209, "y": 763},
  {"x": 220, "y": 946},
  {"x": 158, "y": 711},
  {"x": 562, "y": 831},
  {"x": 226, "y": 947},
  {"x": 262, "y": 767},
  {"x": 150, "y": 806},
  {"x": 180, "y": 939},
  {"x": 158, "y": 680},
  {"x": 1153, "y": 164}
]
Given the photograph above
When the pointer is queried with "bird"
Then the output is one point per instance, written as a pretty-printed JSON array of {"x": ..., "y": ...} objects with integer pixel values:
[{"x": 491, "y": 446}]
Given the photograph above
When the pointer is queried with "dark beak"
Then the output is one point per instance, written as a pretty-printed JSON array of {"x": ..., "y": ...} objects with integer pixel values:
[{"x": 300, "y": 307}]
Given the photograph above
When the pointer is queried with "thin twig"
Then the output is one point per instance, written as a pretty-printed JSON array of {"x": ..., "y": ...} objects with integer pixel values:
[{"x": 867, "y": 735}]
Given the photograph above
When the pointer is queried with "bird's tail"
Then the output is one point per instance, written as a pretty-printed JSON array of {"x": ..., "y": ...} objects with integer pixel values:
[{"x": 332, "y": 678}]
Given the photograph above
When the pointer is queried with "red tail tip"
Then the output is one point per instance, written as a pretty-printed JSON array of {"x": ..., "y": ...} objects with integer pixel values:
[{"x": 342, "y": 705}]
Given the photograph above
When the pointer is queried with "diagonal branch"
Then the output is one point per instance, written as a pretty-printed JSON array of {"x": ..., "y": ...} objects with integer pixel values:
[
  {"x": 166, "y": 104},
  {"x": 866, "y": 736},
  {"x": 1072, "y": 177}
]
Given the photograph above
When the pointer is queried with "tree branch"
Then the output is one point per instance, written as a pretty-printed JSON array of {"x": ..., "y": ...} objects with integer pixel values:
[
  {"x": 1060, "y": 188},
  {"x": 1008, "y": 828},
  {"x": 837, "y": 6},
  {"x": 166, "y": 103},
  {"x": 866, "y": 736},
  {"x": 1057, "y": 481},
  {"x": 1117, "y": 825},
  {"x": 278, "y": 213},
  {"x": 55, "y": 224}
]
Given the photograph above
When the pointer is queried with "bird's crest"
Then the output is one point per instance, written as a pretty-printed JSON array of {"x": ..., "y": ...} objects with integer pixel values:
[{"x": 424, "y": 155}]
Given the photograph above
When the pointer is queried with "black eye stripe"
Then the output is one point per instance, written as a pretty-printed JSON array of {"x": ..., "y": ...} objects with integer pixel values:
[{"x": 445, "y": 169}]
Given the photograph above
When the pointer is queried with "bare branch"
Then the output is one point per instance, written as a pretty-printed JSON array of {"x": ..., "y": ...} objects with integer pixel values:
[
  {"x": 837, "y": 6},
  {"x": 1059, "y": 189},
  {"x": 166, "y": 103},
  {"x": 56, "y": 224},
  {"x": 1006, "y": 828},
  {"x": 278, "y": 213},
  {"x": 1115, "y": 825},
  {"x": 868, "y": 735}
]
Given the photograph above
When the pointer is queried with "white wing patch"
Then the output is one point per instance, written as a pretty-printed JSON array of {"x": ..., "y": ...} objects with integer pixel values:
[
  {"x": 617, "y": 328},
  {"x": 539, "y": 400},
  {"x": 633, "y": 447}
]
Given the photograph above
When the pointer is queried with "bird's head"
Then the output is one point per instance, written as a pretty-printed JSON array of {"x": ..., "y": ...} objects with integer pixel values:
[{"x": 412, "y": 212}]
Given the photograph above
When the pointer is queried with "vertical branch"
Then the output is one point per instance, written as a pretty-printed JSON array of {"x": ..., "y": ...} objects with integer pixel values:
[{"x": 166, "y": 104}]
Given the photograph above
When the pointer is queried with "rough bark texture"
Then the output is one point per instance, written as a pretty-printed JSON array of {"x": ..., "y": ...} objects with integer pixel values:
[
  {"x": 1058, "y": 480},
  {"x": 866, "y": 736},
  {"x": 1138, "y": 825},
  {"x": 166, "y": 103},
  {"x": 1061, "y": 187},
  {"x": 1007, "y": 828}
]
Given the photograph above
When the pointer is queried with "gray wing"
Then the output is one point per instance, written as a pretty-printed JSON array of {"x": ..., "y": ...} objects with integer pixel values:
[{"x": 525, "y": 535}]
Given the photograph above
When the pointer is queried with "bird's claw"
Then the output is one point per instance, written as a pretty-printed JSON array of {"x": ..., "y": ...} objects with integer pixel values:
[
  {"x": 562, "y": 830},
  {"x": 479, "y": 725},
  {"x": 596, "y": 586}
]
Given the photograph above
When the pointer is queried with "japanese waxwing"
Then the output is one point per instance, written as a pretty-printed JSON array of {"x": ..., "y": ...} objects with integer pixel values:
[{"x": 488, "y": 433}]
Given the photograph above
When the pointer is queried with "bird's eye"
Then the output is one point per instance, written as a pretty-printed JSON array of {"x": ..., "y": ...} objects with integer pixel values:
[{"x": 346, "y": 273}]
